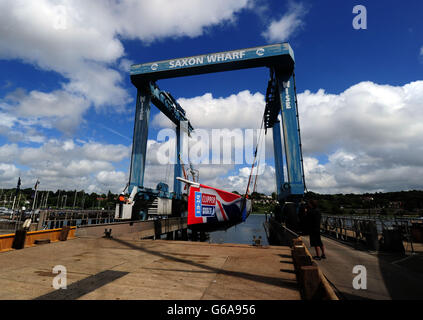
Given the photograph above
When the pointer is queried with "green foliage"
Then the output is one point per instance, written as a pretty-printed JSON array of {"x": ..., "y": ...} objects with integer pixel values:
[
  {"x": 256, "y": 195},
  {"x": 388, "y": 203}
]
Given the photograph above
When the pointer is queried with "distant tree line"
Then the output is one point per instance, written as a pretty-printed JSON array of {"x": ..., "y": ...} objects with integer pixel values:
[
  {"x": 58, "y": 199},
  {"x": 383, "y": 203}
]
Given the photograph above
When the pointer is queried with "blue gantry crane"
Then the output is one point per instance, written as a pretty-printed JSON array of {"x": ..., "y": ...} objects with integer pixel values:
[
  {"x": 142, "y": 200},
  {"x": 281, "y": 102}
]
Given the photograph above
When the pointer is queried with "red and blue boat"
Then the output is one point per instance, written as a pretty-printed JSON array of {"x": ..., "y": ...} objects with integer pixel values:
[{"x": 211, "y": 209}]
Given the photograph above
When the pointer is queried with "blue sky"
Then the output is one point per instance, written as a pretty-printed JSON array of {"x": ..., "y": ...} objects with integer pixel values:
[{"x": 64, "y": 85}]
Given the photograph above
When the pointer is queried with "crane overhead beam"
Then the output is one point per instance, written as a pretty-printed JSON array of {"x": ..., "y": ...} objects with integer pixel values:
[
  {"x": 167, "y": 104},
  {"x": 279, "y": 56}
]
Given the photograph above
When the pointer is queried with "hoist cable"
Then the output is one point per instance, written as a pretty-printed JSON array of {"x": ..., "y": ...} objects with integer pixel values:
[{"x": 254, "y": 161}]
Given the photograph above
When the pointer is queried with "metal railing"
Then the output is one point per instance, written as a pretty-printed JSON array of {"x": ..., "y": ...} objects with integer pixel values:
[
  {"x": 50, "y": 219},
  {"x": 362, "y": 228}
]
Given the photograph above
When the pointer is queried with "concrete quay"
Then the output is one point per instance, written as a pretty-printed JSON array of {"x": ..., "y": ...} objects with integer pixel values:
[{"x": 126, "y": 268}]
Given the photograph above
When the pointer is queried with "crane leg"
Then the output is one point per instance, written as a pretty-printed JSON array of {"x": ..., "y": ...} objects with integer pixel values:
[{"x": 139, "y": 143}]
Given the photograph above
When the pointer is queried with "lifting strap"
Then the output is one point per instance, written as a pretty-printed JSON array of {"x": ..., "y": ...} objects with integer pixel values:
[
  {"x": 254, "y": 161},
  {"x": 183, "y": 170}
]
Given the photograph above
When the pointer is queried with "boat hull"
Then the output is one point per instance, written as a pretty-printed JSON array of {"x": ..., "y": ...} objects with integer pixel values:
[{"x": 211, "y": 209}]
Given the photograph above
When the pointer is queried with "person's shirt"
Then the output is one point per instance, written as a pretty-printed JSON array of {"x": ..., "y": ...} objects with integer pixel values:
[{"x": 315, "y": 219}]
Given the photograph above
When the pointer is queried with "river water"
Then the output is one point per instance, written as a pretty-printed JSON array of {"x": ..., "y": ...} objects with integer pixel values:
[{"x": 242, "y": 233}]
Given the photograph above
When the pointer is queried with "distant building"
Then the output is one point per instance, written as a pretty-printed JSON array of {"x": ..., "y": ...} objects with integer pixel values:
[{"x": 395, "y": 204}]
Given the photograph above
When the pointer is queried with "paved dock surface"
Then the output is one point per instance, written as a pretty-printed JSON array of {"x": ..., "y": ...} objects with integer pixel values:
[
  {"x": 149, "y": 269},
  {"x": 387, "y": 278}
]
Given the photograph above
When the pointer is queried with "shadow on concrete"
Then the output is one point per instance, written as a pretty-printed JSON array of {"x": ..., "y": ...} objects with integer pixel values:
[
  {"x": 287, "y": 262},
  {"x": 401, "y": 281},
  {"x": 84, "y": 286},
  {"x": 288, "y": 271},
  {"x": 179, "y": 270},
  {"x": 396, "y": 281},
  {"x": 263, "y": 279},
  {"x": 349, "y": 296}
]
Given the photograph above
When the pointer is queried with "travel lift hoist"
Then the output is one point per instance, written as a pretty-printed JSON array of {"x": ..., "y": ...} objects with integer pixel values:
[
  {"x": 142, "y": 201},
  {"x": 280, "y": 100}
]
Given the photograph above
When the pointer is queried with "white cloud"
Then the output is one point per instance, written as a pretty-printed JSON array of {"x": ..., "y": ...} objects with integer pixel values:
[
  {"x": 370, "y": 133},
  {"x": 81, "y": 40},
  {"x": 156, "y": 171},
  {"x": 8, "y": 172},
  {"x": 351, "y": 173},
  {"x": 377, "y": 119},
  {"x": 238, "y": 181},
  {"x": 58, "y": 108},
  {"x": 150, "y": 20},
  {"x": 287, "y": 25},
  {"x": 101, "y": 85},
  {"x": 112, "y": 178},
  {"x": 109, "y": 152},
  {"x": 25, "y": 135},
  {"x": 61, "y": 35},
  {"x": 125, "y": 65},
  {"x": 236, "y": 111},
  {"x": 366, "y": 138},
  {"x": 64, "y": 164},
  {"x": 7, "y": 120}
]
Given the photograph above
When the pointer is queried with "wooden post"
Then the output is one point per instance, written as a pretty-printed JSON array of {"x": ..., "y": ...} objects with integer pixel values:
[
  {"x": 157, "y": 229},
  {"x": 304, "y": 260},
  {"x": 297, "y": 242},
  {"x": 300, "y": 257},
  {"x": 299, "y": 250},
  {"x": 310, "y": 281},
  {"x": 185, "y": 234},
  {"x": 64, "y": 233}
]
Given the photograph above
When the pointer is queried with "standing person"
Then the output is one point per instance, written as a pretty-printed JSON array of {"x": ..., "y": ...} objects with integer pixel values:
[
  {"x": 302, "y": 216},
  {"x": 314, "y": 218}
]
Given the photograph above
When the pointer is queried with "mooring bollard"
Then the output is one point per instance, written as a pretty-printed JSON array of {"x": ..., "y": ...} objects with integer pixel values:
[
  {"x": 297, "y": 242},
  {"x": 64, "y": 233},
  {"x": 108, "y": 233},
  {"x": 299, "y": 250},
  {"x": 300, "y": 257},
  {"x": 310, "y": 280},
  {"x": 19, "y": 240}
]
